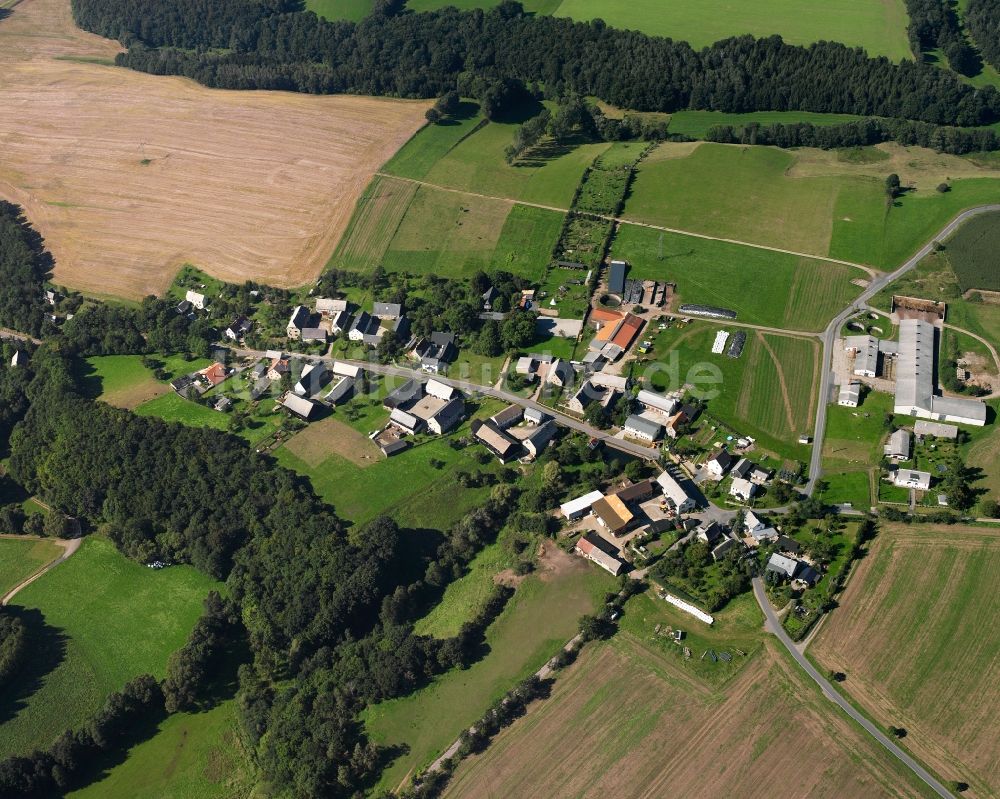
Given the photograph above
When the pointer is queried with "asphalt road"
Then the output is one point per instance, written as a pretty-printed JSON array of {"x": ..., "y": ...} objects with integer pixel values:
[
  {"x": 830, "y": 334},
  {"x": 773, "y": 625}
]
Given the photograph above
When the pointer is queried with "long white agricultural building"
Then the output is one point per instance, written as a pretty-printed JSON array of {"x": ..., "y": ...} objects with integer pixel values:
[{"x": 915, "y": 380}]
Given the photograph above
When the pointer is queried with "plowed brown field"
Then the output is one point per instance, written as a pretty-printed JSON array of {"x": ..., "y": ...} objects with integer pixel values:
[
  {"x": 128, "y": 175},
  {"x": 916, "y": 633},
  {"x": 622, "y": 722}
]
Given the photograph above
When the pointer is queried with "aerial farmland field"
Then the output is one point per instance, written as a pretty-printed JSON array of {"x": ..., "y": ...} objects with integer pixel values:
[
  {"x": 128, "y": 176},
  {"x": 912, "y": 635},
  {"x": 972, "y": 252},
  {"x": 632, "y": 719}
]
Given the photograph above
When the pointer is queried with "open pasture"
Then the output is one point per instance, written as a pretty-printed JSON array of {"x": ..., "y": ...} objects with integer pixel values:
[
  {"x": 972, "y": 252},
  {"x": 192, "y": 755},
  {"x": 913, "y": 633},
  {"x": 353, "y": 10},
  {"x": 538, "y": 620},
  {"x": 469, "y": 156},
  {"x": 879, "y": 27},
  {"x": 696, "y": 124},
  {"x": 95, "y": 621},
  {"x": 129, "y": 175},
  {"x": 627, "y": 720},
  {"x": 807, "y": 200},
  {"x": 763, "y": 287},
  {"x": 404, "y": 226},
  {"x": 21, "y": 558}
]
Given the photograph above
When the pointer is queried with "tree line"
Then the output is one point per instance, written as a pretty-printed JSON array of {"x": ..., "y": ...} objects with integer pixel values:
[
  {"x": 934, "y": 25},
  {"x": 243, "y": 45},
  {"x": 862, "y": 133},
  {"x": 983, "y": 20},
  {"x": 24, "y": 266}
]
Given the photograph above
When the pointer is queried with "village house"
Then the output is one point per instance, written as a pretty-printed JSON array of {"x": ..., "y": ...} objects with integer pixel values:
[
  {"x": 561, "y": 373},
  {"x": 222, "y": 404},
  {"x": 447, "y": 417},
  {"x": 197, "y": 300},
  {"x": 341, "y": 391},
  {"x": 708, "y": 533},
  {"x": 539, "y": 439},
  {"x": 298, "y": 321},
  {"x": 724, "y": 547},
  {"x": 637, "y": 492},
  {"x": 239, "y": 328},
  {"x": 923, "y": 428},
  {"x": 328, "y": 308},
  {"x": 442, "y": 391},
  {"x": 719, "y": 464},
  {"x": 743, "y": 490},
  {"x": 503, "y": 446},
  {"x": 612, "y": 514},
  {"x": 342, "y": 369},
  {"x": 643, "y": 429},
  {"x": 388, "y": 311},
  {"x": 527, "y": 367},
  {"x": 19, "y": 358},
  {"x": 214, "y": 374},
  {"x": 279, "y": 367},
  {"x": 601, "y": 552},
  {"x": 299, "y": 406},
  {"x": 534, "y": 416},
  {"x": 675, "y": 495},
  {"x": 405, "y": 394},
  {"x": 406, "y": 422},
  {"x": 675, "y": 424},
  {"x": 898, "y": 446},
  {"x": 850, "y": 394},
  {"x": 365, "y": 326},
  {"x": 508, "y": 417},
  {"x": 910, "y": 478},
  {"x": 785, "y": 566},
  {"x": 338, "y": 322},
  {"x": 312, "y": 380}
]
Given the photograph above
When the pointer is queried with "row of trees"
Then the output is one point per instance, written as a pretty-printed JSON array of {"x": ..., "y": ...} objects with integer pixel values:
[
  {"x": 864, "y": 132},
  {"x": 934, "y": 25},
  {"x": 247, "y": 45},
  {"x": 24, "y": 266},
  {"x": 982, "y": 17}
]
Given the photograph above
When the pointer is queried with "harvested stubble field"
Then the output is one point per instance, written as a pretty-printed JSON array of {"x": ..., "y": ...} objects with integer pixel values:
[
  {"x": 624, "y": 721},
  {"x": 915, "y": 633},
  {"x": 128, "y": 175},
  {"x": 332, "y": 437}
]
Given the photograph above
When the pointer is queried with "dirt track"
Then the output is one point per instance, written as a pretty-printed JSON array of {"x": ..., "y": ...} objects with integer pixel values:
[{"x": 128, "y": 176}]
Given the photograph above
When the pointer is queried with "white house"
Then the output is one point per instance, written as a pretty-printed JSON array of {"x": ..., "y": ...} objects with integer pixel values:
[
  {"x": 675, "y": 494},
  {"x": 436, "y": 388},
  {"x": 197, "y": 300},
  {"x": 850, "y": 394},
  {"x": 657, "y": 402},
  {"x": 329, "y": 307},
  {"x": 909, "y": 478},
  {"x": 743, "y": 489},
  {"x": 346, "y": 370},
  {"x": 642, "y": 428},
  {"x": 719, "y": 464},
  {"x": 298, "y": 321}
]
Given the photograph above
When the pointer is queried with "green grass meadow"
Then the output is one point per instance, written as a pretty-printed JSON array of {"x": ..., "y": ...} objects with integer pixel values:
[
  {"x": 469, "y": 155},
  {"x": 696, "y": 124},
  {"x": 352, "y": 10},
  {"x": 764, "y": 288},
  {"x": 19, "y": 559},
  {"x": 95, "y": 622},
  {"x": 538, "y": 620},
  {"x": 852, "y": 487},
  {"x": 854, "y": 436},
  {"x": 192, "y": 755},
  {"x": 744, "y": 393},
  {"x": 879, "y": 27}
]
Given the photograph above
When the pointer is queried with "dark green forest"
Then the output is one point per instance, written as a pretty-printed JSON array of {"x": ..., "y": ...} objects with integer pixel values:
[{"x": 242, "y": 45}]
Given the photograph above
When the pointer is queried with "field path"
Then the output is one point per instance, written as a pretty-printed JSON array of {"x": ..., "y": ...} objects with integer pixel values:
[
  {"x": 871, "y": 271},
  {"x": 69, "y": 547}
]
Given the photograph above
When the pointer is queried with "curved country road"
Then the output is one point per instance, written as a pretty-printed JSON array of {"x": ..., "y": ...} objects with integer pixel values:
[
  {"x": 773, "y": 625},
  {"x": 830, "y": 334},
  {"x": 69, "y": 547}
]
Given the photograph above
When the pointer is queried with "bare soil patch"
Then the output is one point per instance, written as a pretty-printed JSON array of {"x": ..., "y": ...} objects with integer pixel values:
[
  {"x": 623, "y": 723},
  {"x": 129, "y": 176},
  {"x": 133, "y": 396},
  {"x": 915, "y": 634},
  {"x": 320, "y": 440}
]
